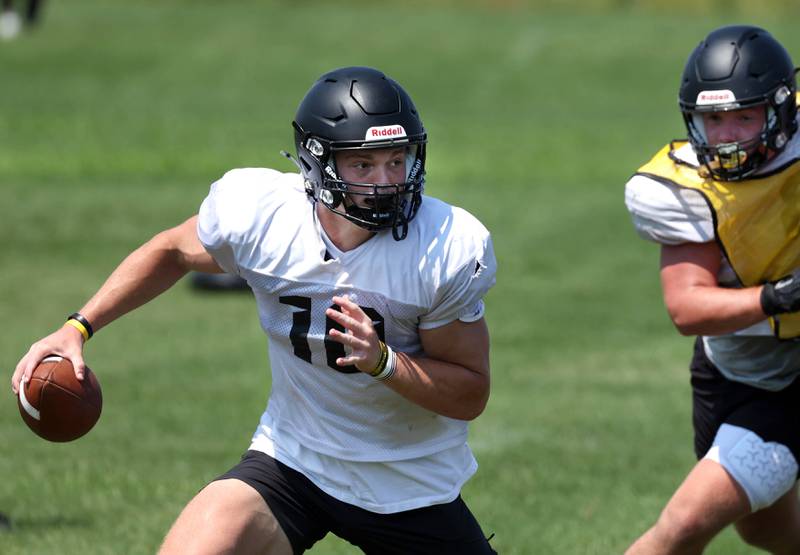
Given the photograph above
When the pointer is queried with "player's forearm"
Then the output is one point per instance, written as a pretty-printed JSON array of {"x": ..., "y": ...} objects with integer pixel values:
[
  {"x": 705, "y": 310},
  {"x": 442, "y": 387},
  {"x": 143, "y": 275}
]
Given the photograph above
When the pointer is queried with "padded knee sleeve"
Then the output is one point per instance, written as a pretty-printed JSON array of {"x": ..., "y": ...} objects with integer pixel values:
[{"x": 764, "y": 469}]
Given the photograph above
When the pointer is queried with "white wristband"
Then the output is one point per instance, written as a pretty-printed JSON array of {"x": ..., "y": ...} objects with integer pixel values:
[{"x": 391, "y": 365}]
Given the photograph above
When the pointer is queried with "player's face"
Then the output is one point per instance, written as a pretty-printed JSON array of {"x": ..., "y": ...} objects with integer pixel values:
[
  {"x": 378, "y": 166},
  {"x": 736, "y": 126}
]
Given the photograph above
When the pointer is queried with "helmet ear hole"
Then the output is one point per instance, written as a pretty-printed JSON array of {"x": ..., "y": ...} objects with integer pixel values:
[{"x": 330, "y": 198}]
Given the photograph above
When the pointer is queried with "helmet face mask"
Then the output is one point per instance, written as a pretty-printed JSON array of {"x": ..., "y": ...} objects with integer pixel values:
[
  {"x": 733, "y": 160},
  {"x": 373, "y": 206},
  {"x": 360, "y": 109},
  {"x": 735, "y": 68}
]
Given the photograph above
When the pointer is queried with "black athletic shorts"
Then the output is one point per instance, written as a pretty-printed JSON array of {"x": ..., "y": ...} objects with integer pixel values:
[
  {"x": 307, "y": 514},
  {"x": 772, "y": 415}
]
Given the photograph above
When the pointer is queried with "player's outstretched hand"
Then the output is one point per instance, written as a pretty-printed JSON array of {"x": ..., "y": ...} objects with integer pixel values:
[
  {"x": 66, "y": 342},
  {"x": 361, "y": 340}
]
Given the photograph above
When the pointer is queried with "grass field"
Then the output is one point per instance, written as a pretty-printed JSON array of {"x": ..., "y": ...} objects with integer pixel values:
[{"x": 116, "y": 116}]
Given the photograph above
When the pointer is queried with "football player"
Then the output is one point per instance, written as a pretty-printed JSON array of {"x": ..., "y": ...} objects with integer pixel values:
[
  {"x": 371, "y": 295},
  {"x": 725, "y": 207}
]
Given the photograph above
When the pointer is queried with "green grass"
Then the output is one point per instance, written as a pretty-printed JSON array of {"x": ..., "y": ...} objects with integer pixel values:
[{"x": 116, "y": 116}]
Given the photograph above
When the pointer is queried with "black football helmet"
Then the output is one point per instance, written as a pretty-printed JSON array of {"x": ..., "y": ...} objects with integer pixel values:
[
  {"x": 739, "y": 67},
  {"x": 360, "y": 108}
]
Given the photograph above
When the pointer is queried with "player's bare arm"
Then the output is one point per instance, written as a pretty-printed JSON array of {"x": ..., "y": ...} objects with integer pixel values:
[
  {"x": 695, "y": 301},
  {"x": 452, "y": 379},
  {"x": 149, "y": 271},
  {"x": 143, "y": 275}
]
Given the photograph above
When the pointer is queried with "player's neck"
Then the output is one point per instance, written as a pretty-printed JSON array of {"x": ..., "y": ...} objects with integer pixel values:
[{"x": 344, "y": 234}]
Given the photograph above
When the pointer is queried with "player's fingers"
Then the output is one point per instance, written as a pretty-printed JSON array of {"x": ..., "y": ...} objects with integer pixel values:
[
  {"x": 78, "y": 364},
  {"x": 349, "y": 307},
  {"x": 361, "y": 326},
  {"x": 69, "y": 344},
  {"x": 344, "y": 301},
  {"x": 24, "y": 369},
  {"x": 15, "y": 378},
  {"x": 348, "y": 339},
  {"x": 340, "y": 317},
  {"x": 341, "y": 336},
  {"x": 348, "y": 361}
]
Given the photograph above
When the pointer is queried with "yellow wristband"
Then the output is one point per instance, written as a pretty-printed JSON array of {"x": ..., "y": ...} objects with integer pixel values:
[
  {"x": 381, "y": 360},
  {"x": 81, "y": 328},
  {"x": 389, "y": 367}
]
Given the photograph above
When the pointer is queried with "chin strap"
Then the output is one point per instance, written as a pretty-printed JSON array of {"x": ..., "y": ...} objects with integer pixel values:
[{"x": 399, "y": 235}]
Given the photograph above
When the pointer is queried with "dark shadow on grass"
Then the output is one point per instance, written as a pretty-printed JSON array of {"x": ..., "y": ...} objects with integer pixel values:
[{"x": 215, "y": 283}]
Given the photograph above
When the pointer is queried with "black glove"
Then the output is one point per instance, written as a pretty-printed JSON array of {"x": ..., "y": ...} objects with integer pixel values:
[{"x": 781, "y": 296}]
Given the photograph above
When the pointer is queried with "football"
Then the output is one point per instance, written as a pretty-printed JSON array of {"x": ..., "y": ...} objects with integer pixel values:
[{"x": 55, "y": 405}]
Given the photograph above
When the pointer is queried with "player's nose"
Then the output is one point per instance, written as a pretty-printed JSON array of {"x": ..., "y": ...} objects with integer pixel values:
[
  {"x": 387, "y": 174},
  {"x": 732, "y": 132},
  {"x": 380, "y": 175}
]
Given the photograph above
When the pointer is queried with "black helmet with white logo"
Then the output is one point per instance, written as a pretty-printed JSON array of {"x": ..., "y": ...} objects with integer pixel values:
[
  {"x": 360, "y": 108},
  {"x": 739, "y": 67}
]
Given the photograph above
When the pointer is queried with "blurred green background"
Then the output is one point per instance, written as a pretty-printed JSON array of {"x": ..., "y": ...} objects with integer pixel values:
[{"x": 116, "y": 116}]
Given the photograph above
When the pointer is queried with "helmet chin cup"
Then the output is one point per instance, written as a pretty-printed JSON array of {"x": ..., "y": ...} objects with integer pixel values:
[
  {"x": 730, "y": 156},
  {"x": 732, "y": 161}
]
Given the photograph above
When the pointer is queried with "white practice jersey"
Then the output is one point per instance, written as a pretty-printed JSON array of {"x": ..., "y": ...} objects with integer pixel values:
[
  {"x": 668, "y": 214},
  {"x": 354, "y": 437}
]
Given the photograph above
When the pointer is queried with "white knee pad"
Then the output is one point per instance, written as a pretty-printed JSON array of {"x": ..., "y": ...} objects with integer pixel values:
[{"x": 764, "y": 469}]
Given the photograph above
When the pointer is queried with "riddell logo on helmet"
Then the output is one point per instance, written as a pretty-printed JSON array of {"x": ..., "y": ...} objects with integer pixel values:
[
  {"x": 715, "y": 97},
  {"x": 385, "y": 132}
]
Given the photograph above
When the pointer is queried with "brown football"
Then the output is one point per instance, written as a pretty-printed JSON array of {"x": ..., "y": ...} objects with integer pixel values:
[{"x": 55, "y": 405}]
